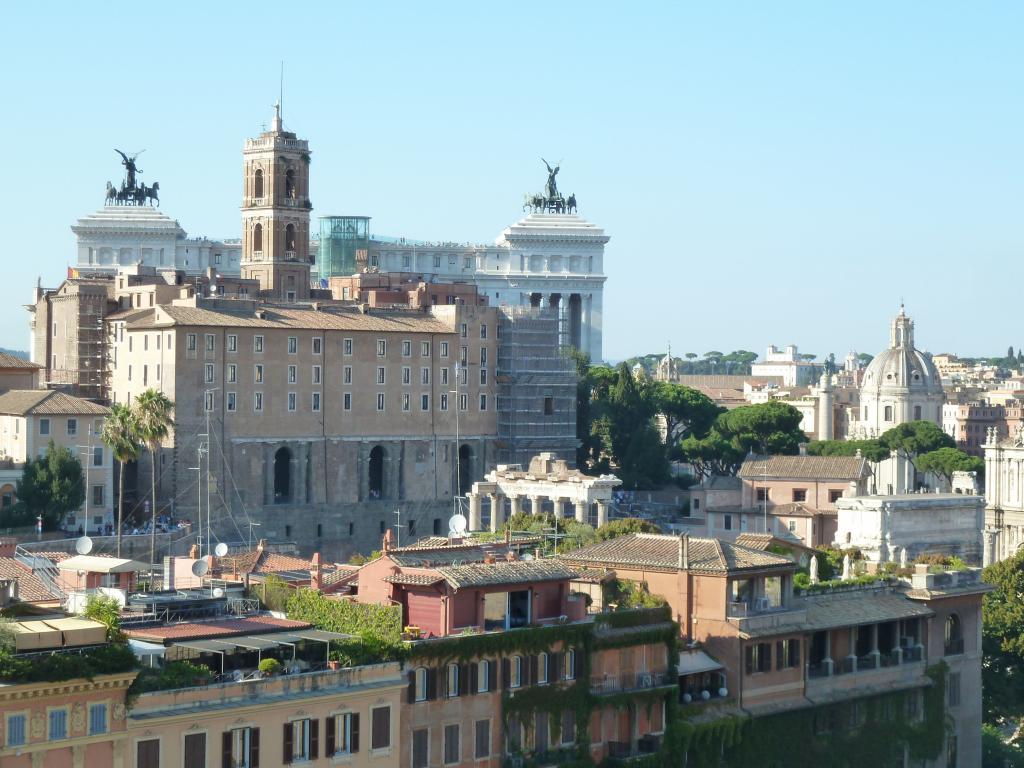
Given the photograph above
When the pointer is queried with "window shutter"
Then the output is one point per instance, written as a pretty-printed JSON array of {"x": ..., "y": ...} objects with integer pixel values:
[
  {"x": 431, "y": 684},
  {"x": 226, "y": 750},
  {"x": 780, "y": 656},
  {"x": 532, "y": 674},
  {"x": 330, "y": 747},
  {"x": 767, "y": 657},
  {"x": 314, "y": 739},
  {"x": 575, "y": 669},
  {"x": 288, "y": 744},
  {"x": 492, "y": 676},
  {"x": 254, "y": 748},
  {"x": 474, "y": 678},
  {"x": 464, "y": 675},
  {"x": 555, "y": 670},
  {"x": 412, "y": 686},
  {"x": 355, "y": 733},
  {"x": 506, "y": 673}
]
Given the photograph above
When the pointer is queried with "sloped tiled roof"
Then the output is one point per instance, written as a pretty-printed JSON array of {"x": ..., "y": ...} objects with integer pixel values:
[
  {"x": 7, "y": 360},
  {"x": 652, "y": 550},
  {"x": 258, "y": 561},
  {"x": 762, "y": 541},
  {"x": 804, "y": 467},
  {"x": 515, "y": 572},
  {"x": 31, "y": 588},
  {"x": 415, "y": 579},
  {"x": 298, "y": 318},
  {"x": 47, "y": 402}
]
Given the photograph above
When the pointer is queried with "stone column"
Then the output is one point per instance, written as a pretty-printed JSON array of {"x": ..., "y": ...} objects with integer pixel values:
[
  {"x": 897, "y": 651},
  {"x": 536, "y": 504},
  {"x": 582, "y": 511},
  {"x": 300, "y": 494},
  {"x": 852, "y": 655},
  {"x": 497, "y": 512},
  {"x": 827, "y": 662},
  {"x": 602, "y": 513},
  {"x": 475, "y": 516},
  {"x": 559, "y": 507},
  {"x": 876, "y": 656},
  {"x": 517, "y": 504}
]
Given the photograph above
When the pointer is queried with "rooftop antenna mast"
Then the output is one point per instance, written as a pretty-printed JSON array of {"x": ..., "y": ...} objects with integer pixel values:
[{"x": 280, "y": 92}]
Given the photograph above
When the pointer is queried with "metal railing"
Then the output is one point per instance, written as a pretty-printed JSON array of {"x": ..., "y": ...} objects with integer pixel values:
[
  {"x": 42, "y": 567},
  {"x": 629, "y": 681}
]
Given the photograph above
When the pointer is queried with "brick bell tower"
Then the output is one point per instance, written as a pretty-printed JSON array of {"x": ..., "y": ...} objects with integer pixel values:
[{"x": 275, "y": 213}]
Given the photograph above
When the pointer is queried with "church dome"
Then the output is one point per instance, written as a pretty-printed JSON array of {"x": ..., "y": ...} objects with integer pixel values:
[{"x": 902, "y": 365}]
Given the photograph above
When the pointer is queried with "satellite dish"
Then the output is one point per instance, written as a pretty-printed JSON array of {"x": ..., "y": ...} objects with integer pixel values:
[
  {"x": 221, "y": 549},
  {"x": 218, "y": 592},
  {"x": 200, "y": 567},
  {"x": 457, "y": 524},
  {"x": 83, "y": 545}
]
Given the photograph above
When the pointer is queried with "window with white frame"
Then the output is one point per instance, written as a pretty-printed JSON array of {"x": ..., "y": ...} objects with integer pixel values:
[
  {"x": 257, "y": 343},
  {"x": 452, "y": 680},
  {"x": 298, "y": 735},
  {"x": 424, "y": 402},
  {"x": 257, "y": 401},
  {"x": 293, "y": 374},
  {"x": 421, "y": 676},
  {"x": 232, "y": 402},
  {"x": 344, "y": 734},
  {"x": 346, "y": 375},
  {"x": 483, "y": 355},
  {"x": 444, "y": 349},
  {"x": 208, "y": 401},
  {"x": 232, "y": 376},
  {"x": 444, "y": 401},
  {"x": 316, "y": 402},
  {"x": 244, "y": 747},
  {"x": 463, "y": 402},
  {"x": 44, "y": 424},
  {"x": 425, "y": 376},
  {"x": 210, "y": 342},
  {"x": 483, "y": 677},
  {"x": 318, "y": 345},
  {"x": 293, "y": 401},
  {"x": 483, "y": 330},
  {"x": 72, "y": 427},
  {"x": 381, "y": 374},
  {"x": 406, "y": 401},
  {"x": 232, "y": 343},
  {"x": 380, "y": 401},
  {"x": 208, "y": 378},
  {"x": 424, "y": 349},
  {"x": 406, "y": 375},
  {"x": 293, "y": 345},
  {"x": 483, "y": 377},
  {"x": 190, "y": 342},
  {"x": 257, "y": 374},
  {"x": 380, "y": 724},
  {"x": 346, "y": 346},
  {"x": 515, "y": 672},
  {"x": 463, "y": 331},
  {"x": 483, "y": 402},
  {"x": 406, "y": 348},
  {"x": 316, "y": 374},
  {"x": 569, "y": 665},
  {"x": 97, "y": 719},
  {"x": 444, "y": 377},
  {"x": 382, "y": 347},
  {"x": 542, "y": 668},
  {"x": 346, "y": 401}
]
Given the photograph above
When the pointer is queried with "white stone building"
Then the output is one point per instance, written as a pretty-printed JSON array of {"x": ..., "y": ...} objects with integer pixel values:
[
  {"x": 787, "y": 364},
  {"x": 901, "y": 384},
  {"x": 1004, "y": 496},
  {"x": 920, "y": 523}
]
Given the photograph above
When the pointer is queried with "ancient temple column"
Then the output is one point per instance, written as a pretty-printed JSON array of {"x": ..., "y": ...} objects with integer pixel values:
[
  {"x": 497, "y": 512},
  {"x": 559, "y": 507},
  {"x": 475, "y": 516},
  {"x": 517, "y": 504},
  {"x": 582, "y": 508},
  {"x": 602, "y": 513},
  {"x": 536, "y": 505}
]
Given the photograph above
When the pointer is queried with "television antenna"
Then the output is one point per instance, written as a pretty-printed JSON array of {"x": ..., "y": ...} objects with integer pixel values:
[{"x": 398, "y": 527}]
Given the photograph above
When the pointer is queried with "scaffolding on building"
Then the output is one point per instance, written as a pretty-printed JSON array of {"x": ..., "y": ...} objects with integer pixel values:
[
  {"x": 344, "y": 242},
  {"x": 536, "y": 387}
]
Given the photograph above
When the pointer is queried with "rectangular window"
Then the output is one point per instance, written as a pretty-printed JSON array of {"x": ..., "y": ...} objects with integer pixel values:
[
  {"x": 15, "y": 730},
  {"x": 444, "y": 401},
  {"x": 316, "y": 374},
  {"x": 293, "y": 401},
  {"x": 424, "y": 349},
  {"x": 293, "y": 345},
  {"x": 44, "y": 425},
  {"x": 483, "y": 739},
  {"x": 318, "y": 345},
  {"x": 792, "y": 526},
  {"x": 380, "y": 401},
  {"x": 405, "y": 401},
  {"x": 97, "y": 495},
  {"x": 444, "y": 377},
  {"x": 58, "y": 724},
  {"x": 346, "y": 401},
  {"x": 758, "y": 658},
  {"x": 346, "y": 347},
  {"x": 208, "y": 377},
  {"x": 542, "y": 668},
  {"x": 549, "y": 406},
  {"x": 424, "y": 402},
  {"x": 569, "y": 661},
  {"x": 568, "y": 726},
  {"x": 300, "y": 741},
  {"x": 463, "y": 331},
  {"x": 452, "y": 680},
  {"x": 208, "y": 401},
  {"x": 463, "y": 356},
  {"x": 347, "y": 374},
  {"x": 444, "y": 349},
  {"x": 953, "y": 685},
  {"x": 516, "y": 672},
  {"x": 762, "y": 494},
  {"x": 343, "y": 734},
  {"x": 382, "y": 347},
  {"x": 381, "y": 374},
  {"x": 232, "y": 402},
  {"x": 380, "y": 734},
  {"x": 483, "y": 355},
  {"x": 463, "y": 375},
  {"x": 97, "y": 719},
  {"x": 420, "y": 748},
  {"x": 483, "y": 330},
  {"x": 425, "y": 376},
  {"x": 243, "y": 746},
  {"x": 406, "y": 375},
  {"x": 483, "y": 402},
  {"x": 257, "y": 343},
  {"x": 451, "y": 744},
  {"x": 97, "y": 456},
  {"x": 232, "y": 376},
  {"x": 483, "y": 377},
  {"x": 257, "y": 374},
  {"x": 834, "y": 495},
  {"x": 232, "y": 343},
  {"x": 406, "y": 348},
  {"x": 147, "y": 754},
  {"x": 190, "y": 342},
  {"x": 787, "y": 654},
  {"x": 463, "y": 402},
  {"x": 72, "y": 427},
  {"x": 210, "y": 342},
  {"x": 293, "y": 374},
  {"x": 799, "y": 494},
  {"x": 257, "y": 401},
  {"x": 727, "y": 522}
]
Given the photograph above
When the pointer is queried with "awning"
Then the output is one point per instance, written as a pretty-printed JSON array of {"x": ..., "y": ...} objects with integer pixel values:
[
  {"x": 251, "y": 642},
  {"x": 96, "y": 564},
  {"x": 142, "y": 648},
  {"x": 203, "y": 646},
  {"x": 322, "y": 635},
  {"x": 696, "y": 662}
]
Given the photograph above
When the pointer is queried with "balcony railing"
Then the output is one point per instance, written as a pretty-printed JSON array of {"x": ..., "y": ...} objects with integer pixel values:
[
  {"x": 756, "y": 607},
  {"x": 629, "y": 681}
]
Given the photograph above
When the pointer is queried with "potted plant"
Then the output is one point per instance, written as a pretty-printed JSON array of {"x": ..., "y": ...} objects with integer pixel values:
[{"x": 270, "y": 667}]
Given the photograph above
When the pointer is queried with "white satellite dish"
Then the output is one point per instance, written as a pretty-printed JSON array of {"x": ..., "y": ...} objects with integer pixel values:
[
  {"x": 218, "y": 592},
  {"x": 83, "y": 545},
  {"x": 457, "y": 524},
  {"x": 527, "y": 557},
  {"x": 200, "y": 567},
  {"x": 221, "y": 549}
]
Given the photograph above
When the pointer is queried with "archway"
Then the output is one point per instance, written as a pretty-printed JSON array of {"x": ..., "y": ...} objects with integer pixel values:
[
  {"x": 465, "y": 476},
  {"x": 257, "y": 238},
  {"x": 376, "y": 473},
  {"x": 258, "y": 183},
  {"x": 282, "y": 476},
  {"x": 289, "y": 238},
  {"x": 289, "y": 183}
]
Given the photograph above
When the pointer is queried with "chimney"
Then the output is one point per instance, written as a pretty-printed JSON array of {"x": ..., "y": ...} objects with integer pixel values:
[
  {"x": 261, "y": 545},
  {"x": 510, "y": 556},
  {"x": 7, "y": 546},
  {"x": 802, "y": 448},
  {"x": 193, "y": 552},
  {"x": 684, "y": 552},
  {"x": 489, "y": 558},
  {"x": 316, "y": 576}
]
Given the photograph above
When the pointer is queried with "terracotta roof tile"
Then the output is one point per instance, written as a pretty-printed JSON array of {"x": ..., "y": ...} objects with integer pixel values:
[
  {"x": 515, "y": 572},
  {"x": 662, "y": 551},
  {"x": 251, "y": 625},
  {"x": 417, "y": 579},
  {"x": 44, "y": 402},
  {"x": 31, "y": 588},
  {"x": 7, "y": 360},
  {"x": 804, "y": 467}
]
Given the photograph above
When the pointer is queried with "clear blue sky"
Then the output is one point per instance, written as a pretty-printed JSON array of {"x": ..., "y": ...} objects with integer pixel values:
[{"x": 769, "y": 172}]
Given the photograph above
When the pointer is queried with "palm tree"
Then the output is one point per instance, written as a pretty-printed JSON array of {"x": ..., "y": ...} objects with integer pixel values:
[
  {"x": 120, "y": 436},
  {"x": 153, "y": 422}
]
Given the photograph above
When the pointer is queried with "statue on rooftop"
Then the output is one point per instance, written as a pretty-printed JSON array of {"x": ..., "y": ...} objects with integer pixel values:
[{"x": 551, "y": 188}]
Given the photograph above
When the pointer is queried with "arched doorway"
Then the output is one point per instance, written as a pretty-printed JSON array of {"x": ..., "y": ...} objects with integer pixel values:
[
  {"x": 257, "y": 237},
  {"x": 465, "y": 476},
  {"x": 289, "y": 238},
  {"x": 376, "y": 473},
  {"x": 282, "y": 476}
]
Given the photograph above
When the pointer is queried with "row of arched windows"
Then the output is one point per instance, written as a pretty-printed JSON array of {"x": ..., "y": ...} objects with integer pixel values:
[
  {"x": 290, "y": 189},
  {"x": 290, "y": 239}
]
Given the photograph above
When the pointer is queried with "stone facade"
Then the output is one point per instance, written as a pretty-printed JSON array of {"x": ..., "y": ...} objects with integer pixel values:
[{"x": 1004, "y": 497}]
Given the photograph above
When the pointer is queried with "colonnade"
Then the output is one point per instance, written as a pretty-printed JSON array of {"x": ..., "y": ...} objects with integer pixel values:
[{"x": 581, "y": 508}]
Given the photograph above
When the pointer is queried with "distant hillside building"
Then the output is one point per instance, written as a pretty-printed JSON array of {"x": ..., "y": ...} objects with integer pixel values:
[{"x": 787, "y": 363}]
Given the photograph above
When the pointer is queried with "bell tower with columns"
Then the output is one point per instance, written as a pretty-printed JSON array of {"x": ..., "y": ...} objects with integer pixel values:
[{"x": 275, "y": 213}]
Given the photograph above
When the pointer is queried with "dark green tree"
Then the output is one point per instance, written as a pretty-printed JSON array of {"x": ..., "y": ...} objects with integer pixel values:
[
  {"x": 872, "y": 450},
  {"x": 629, "y": 434},
  {"x": 52, "y": 485},
  {"x": 996, "y": 752},
  {"x": 1002, "y": 641},
  {"x": 625, "y": 526},
  {"x": 916, "y": 438},
  {"x": 685, "y": 410},
  {"x": 945, "y": 461}
]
